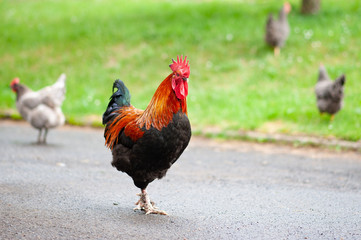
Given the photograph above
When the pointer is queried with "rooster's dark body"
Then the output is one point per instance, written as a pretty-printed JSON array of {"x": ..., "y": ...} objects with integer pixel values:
[
  {"x": 146, "y": 143},
  {"x": 150, "y": 156}
]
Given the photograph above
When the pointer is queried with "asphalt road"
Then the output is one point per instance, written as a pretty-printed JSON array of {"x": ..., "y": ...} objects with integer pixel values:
[{"x": 217, "y": 190}]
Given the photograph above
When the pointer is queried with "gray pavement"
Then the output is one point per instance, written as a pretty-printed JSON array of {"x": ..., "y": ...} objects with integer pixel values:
[{"x": 217, "y": 190}]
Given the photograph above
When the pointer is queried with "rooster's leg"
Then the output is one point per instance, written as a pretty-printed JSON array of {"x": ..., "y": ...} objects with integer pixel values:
[
  {"x": 146, "y": 205},
  {"x": 332, "y": 117},
  {"x": 276, "y": 51}
]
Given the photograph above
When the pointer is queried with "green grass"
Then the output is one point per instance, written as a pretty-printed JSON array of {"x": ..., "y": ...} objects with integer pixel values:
[{"x": 235, "y": 83}]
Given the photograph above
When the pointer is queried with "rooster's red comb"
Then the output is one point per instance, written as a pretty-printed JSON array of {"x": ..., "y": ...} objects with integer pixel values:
[{"x": 181, "y": 66}]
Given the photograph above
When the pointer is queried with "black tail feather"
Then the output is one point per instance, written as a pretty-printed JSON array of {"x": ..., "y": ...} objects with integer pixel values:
[{"x": 119, "y": 99}]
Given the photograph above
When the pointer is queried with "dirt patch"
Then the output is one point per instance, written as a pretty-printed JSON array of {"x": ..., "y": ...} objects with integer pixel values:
[
  {"x": 273, "y": 127},
  {"x": 274, "y": 148}
]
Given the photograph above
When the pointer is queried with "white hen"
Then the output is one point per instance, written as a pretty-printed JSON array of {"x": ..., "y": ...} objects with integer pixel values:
[{"x": 42, "y": 109}]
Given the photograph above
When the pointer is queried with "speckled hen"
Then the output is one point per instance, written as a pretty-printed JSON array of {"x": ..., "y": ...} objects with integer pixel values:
[
  {"x": 329, "y": 94},
  {"x": 278, "y": 30}
]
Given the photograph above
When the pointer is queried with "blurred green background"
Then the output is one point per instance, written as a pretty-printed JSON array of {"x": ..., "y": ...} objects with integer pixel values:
[{"x": 235, "y": 83}]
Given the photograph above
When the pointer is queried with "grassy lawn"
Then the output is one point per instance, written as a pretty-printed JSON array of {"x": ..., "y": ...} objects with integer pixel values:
[{"x": 236, "y": 82}]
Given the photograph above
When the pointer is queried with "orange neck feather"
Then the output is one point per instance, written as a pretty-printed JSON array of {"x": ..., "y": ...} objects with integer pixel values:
[
  {"x": 162, "y": 106},
  {"x": 158, "y": 114}
]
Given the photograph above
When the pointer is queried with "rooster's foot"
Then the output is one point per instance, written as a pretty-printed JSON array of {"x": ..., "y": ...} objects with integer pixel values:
[{"x": 146, "y": 205}]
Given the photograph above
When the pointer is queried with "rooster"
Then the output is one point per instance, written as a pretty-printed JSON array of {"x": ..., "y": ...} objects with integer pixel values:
[
  {"x": 329, "y": 93},
  {"x": 42, "y": 109},
  {"x": 145, "y": 144},
  {"x": 277, "y": 31}
]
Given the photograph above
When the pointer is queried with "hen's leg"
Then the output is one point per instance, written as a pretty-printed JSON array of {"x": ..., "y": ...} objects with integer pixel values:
[
  {"x": 276, "y": 51},
  {"x": 45, "y": 134},
  {"x": 39, "y": 136},
  {"x": 146, "y": 205}
]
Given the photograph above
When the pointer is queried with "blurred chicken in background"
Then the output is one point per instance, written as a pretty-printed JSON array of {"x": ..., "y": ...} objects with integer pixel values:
[
  {"x": 329, "y": 93},
  {"x": 42, "y": 109},
  {"x": 277, "y": 31}
]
